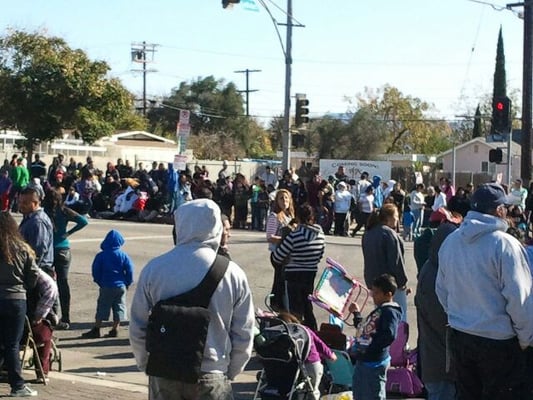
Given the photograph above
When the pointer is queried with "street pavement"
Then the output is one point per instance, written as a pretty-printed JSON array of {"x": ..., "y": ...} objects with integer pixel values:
[{"x": 105, "y": 367}]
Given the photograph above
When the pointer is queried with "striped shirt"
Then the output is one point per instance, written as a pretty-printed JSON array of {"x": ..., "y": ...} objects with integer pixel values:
[{"x": 303, "y": 247}]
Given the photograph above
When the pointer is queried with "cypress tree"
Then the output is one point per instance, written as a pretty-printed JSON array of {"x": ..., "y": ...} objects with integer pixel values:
[
  {"x": 478, "y": 128},
  {"x": 500, "y": 81}
]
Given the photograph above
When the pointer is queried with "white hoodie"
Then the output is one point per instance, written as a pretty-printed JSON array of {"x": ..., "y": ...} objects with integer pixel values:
[
  {"x": 484, "y": 283},
  {"x": 229, "y": 338}
]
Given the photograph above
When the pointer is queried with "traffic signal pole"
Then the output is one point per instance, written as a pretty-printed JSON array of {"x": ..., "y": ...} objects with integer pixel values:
[
  {"x": 527, "y": 81},
  {"x": 286, "y": 143},
  {"x": 527, "y": 78}
]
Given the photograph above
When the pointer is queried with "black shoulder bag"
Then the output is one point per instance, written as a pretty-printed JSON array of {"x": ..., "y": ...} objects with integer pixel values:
[{"x": 177, "y": 329}]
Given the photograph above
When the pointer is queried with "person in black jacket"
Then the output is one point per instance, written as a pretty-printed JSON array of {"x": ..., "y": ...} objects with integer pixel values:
[
  {"x": 432, "y": 319},
  {"x": 18, "y": 273}
]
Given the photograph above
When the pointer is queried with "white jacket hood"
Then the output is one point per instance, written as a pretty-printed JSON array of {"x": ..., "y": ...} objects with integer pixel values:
[
  {"x": 477, "y": 224},
  {"x": 198, "y": 222}
]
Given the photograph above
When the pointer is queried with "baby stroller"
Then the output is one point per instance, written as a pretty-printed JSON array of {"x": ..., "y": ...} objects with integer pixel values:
[{"x": 282, "y": 348}]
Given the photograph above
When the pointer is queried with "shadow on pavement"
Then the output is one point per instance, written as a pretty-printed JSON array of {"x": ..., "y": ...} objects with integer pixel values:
[
  {"x": 115, "y": 356},
  {"x": 80, "y": 342},
  {"x": 107, "y": 370}
]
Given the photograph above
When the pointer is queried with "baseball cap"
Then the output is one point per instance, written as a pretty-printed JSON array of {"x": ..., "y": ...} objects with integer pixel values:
[{"x": 488, "y": 197}]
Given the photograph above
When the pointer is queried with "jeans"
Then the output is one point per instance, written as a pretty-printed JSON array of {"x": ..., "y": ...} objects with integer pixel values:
[
  {"x": 487, "y": 369},
  {"x": 442, "y": 390},
  {"x": 418, "y": 215},
  {"x": 62, "y": 259},
  {"x": 12, "y": 319},
  {"x": 112, "y": 298},
  {"x": 400, "y": 297},
  {"x": 209, "y": 387},
  {"x": 369, "y": 382}
]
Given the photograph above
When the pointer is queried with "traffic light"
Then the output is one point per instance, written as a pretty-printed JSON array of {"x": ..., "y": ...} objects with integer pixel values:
[
  {"x": 226, "y": 3},
  {"x": 302, "y": 111},
  {"x": 501, "y": 114},
  {"x": 496, "y": 156}
]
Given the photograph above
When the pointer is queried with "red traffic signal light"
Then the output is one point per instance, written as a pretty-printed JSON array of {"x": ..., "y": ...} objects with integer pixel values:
[{"x": 501, "y": 115}]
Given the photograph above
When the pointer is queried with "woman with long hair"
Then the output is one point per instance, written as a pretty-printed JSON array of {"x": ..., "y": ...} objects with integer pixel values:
[
  {"x": 18, "y": 273},
  {"x": 383, "y": 252},
  {"x": 60, "y": 215},
  {"x": 278, "y": 225}
]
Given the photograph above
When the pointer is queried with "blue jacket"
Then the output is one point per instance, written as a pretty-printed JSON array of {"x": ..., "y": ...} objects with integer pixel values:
[
  {"x": 112, "y": 267},
  {"x": 378, "y": 331},
  {"x": 36, "y": 228}
]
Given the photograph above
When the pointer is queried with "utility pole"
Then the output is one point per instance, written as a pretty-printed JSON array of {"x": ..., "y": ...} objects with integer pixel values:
[
  {"x": 139, "y": 53},
  {"x": 248, "y": 90},
  {"x": 286, "y": 163},
  {"x": 527, "y": 77}
]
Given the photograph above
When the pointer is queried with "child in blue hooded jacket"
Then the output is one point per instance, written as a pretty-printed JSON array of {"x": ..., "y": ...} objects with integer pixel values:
[{"x": 113, "y": 272}]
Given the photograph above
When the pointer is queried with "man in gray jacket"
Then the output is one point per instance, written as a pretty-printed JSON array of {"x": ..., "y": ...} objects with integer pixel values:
[
  {"x": 484, "y": 285},
  {"x": 229, "y": 338}
]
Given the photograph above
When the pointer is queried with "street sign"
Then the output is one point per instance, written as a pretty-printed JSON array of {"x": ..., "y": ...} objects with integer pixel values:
[
  {"x": 184, "y": 130},
  {"x": 180, "y": 162},
  {"x": 184, "y": 117}
]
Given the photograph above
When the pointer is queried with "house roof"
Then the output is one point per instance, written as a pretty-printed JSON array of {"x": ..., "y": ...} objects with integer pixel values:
[
  {"x": 515, "y": 148},
  {"x": 138, "y": 135}
]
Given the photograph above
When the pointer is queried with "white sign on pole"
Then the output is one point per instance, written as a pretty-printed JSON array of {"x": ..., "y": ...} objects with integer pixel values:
[
  {"x": 180, "y": 162},
  {"x": 185, "y": 117},
  {"x": 184, "y": 130},
  {"x": 354, "y": 168}
]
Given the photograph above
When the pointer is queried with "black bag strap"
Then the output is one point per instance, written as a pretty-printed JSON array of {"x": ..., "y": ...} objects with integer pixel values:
[{"x": 203, "y": 292}]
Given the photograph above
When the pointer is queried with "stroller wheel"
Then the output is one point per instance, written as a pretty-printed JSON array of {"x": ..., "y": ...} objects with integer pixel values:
[{"x": 258, "y": 376}]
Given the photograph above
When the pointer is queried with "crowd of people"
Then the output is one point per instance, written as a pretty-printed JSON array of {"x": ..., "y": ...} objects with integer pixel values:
[{"x": 471, "y": 246}]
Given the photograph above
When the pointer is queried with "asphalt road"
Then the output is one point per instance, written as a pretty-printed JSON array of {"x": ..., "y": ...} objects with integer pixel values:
[{"x": 111, "y": 358}]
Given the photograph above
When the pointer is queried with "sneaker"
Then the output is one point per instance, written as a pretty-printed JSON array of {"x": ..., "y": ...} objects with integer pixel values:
[
  {"x": 62, "y": 326},
  {"x": 92, "y": 334},
  {"x": 25, "y": 391},
  {"x": 112, "y": 333}
]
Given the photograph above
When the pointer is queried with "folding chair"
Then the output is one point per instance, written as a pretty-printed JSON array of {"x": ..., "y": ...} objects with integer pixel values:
[
  {"x": 28, "y": 341},
  {"x": 340, "y": 372}
]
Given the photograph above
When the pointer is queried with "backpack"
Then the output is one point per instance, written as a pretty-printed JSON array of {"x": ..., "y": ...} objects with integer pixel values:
[
  {"x": 177, "y": 329},
  {"x": 401, "y": 376}
]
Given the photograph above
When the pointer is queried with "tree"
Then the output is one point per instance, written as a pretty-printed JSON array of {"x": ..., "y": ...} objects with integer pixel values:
[
  {"x": 217, "y": 117},
  {"x": 45, "y": 87},
  {"x": 406, "y": 125},
  {"x": 478, "y": 127},
  {"x": 500, "y": 81}
]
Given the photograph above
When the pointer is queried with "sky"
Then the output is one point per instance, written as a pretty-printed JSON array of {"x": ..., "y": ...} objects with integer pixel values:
[{"x": 441, "y": 51}]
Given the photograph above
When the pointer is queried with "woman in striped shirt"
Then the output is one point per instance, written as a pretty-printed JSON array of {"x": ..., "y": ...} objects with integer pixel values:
[
  {"x": 278, "y": 223},
  {"x": 305, "y": 246}
]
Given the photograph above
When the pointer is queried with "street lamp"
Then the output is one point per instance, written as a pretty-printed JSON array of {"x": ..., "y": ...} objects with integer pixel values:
[{"x": 287, "y": 52}]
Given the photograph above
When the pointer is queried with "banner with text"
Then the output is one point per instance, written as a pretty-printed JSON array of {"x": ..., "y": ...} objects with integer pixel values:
[{"x": 354, "y": 168}]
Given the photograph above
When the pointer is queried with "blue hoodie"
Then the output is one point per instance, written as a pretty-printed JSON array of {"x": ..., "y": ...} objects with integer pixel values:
[
  {"x": 112, "y": 267},
  {"x": 378, "y": 191}
]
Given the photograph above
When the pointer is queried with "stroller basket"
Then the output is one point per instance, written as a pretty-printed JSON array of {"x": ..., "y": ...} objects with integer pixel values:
[{"x": 282, "y": 348}]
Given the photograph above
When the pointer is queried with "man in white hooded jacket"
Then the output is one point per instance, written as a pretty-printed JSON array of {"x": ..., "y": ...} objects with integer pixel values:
[
  {"x": 229, "y": 338},
  {"x": 484, "y": 285}
]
